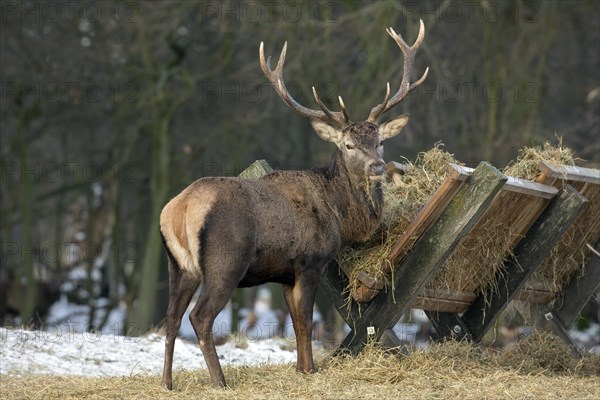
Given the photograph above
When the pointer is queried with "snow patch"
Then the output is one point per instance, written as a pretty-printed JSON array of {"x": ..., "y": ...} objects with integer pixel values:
[{"x": 68, "y": 351}]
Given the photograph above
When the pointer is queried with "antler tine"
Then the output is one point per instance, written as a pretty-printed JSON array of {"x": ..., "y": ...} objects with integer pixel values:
[
  {"x": 343, "y": 108},
  {"x": 275, "y": 76},
  {"x": 321, "y": 105},
  {"x": 405, "y": 86}
]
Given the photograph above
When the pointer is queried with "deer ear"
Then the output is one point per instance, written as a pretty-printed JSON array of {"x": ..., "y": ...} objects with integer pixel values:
[
  {"x": 326, "y": 131},
  {"x": 393, "y": 127}
]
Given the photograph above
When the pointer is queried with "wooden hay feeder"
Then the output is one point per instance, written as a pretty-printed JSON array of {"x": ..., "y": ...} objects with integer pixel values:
[
  {"x": 570, "y": 275},
  {"x": 468, "y": 271},
  {"x": 442, "y": 265}
]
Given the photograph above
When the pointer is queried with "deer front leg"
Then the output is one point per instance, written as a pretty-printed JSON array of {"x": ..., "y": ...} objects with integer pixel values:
[{"x": 300, "y": 299}]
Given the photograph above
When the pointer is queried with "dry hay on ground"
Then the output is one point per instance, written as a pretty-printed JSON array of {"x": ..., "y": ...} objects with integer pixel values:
[{"x": 540, "y": 366}]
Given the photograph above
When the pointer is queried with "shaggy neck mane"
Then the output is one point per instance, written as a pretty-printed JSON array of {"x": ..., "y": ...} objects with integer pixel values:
[{"x": 359, "y": 214}]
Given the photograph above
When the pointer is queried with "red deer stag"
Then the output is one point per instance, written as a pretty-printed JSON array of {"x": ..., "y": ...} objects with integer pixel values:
[{"x": 284, "y": 227}]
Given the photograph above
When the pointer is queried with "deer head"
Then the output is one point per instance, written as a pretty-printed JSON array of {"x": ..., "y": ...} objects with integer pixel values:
[{"x": 360, "y": 143}]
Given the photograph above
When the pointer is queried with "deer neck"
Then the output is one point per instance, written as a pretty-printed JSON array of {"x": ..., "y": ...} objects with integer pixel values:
[{"x": 356, "y": 201}]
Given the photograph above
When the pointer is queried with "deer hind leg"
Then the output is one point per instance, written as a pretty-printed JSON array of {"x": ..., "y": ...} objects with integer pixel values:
[
  {"x": 300, "y": 299},
  {"x": 181, "y": 290},
  {"x": 214, "y": 295}
]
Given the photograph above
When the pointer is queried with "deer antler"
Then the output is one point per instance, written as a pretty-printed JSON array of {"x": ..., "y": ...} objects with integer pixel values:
[
  {"x": 275, "y": 76},
  {"x": 405, "y": 86}
]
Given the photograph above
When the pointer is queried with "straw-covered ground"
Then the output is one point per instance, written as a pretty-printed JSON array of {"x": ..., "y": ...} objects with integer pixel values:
[{"x": 539, "y": 367}]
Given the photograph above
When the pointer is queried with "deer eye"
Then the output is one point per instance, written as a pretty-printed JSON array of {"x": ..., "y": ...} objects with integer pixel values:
[
  {"x": 381, "y": 143},
  {"x": 349, "y": 147}
]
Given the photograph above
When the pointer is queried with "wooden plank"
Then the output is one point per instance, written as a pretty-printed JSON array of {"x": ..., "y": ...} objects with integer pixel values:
[
  {"x": 449, "y": 294},
  {"x": 444, "y": 300},
  {"x": 501, "y": 227},
  {"x": 449, "y": 325},
  {"x": 535, "y": 296},
  {"x": 554, "y": 274},
  {"x": 531, "y": 188},
  {"x": 541, "y": 316},
  {"x": 567, "y": 307},
  {"x": 257, "y": 169},
  {"x": 335, "y": 283},
  {"x": 570, "y": 173},
  {"x": 527, "y": 256},
  {"x": 440, "y": 305},
  {"x": 578, "y": 292},
  {"x": 431, "y": 210},
  {"x": 523, "y": 186},
  {"x": 427, "y": 255}
]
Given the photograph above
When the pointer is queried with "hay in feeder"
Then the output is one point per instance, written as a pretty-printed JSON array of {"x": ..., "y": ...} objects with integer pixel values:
[
  {"x": 479, "y": 257},
  {"x": 526, "y": 165},
  {"x": 568, "y": 256},
  {"x": 401, "y": 205}
]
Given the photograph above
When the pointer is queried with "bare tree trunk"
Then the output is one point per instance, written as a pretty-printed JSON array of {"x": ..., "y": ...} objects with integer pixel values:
[
  {"x": 159, "y": 190},
  {"x": 24, "y": 278}
]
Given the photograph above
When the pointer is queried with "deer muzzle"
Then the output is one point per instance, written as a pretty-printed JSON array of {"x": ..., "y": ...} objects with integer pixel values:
[{"x": 376, "y": 169}]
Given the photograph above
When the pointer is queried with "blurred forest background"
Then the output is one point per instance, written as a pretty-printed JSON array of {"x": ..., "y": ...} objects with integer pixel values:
[{"x": 110, "y": 108}]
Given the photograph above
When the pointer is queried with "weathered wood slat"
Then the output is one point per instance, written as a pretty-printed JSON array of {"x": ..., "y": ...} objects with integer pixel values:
[
  {"x": 527, "y": 256},
  {"x": 579, "y": 290},
  {"x": 444, "y": 300},
  {"x": 427, "y": 255},
  {"x": 510, "y": 215},
  {"x": 570, "y": 173},
  {"x": 257, "y": 169},
  {"x": 535, "y": 296},
  {"x": 440, "y": 305},
  {"x": 334, "y": 283},
  {"x": 585, "y": 229},
  {"x": 523, "y": 186},
  {"x": 430, "y": 212},
  {"x": 559, "y": 318}
]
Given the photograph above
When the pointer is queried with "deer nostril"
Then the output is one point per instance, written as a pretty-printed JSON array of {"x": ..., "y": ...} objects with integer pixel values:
[{"x": 377, "y": 168}]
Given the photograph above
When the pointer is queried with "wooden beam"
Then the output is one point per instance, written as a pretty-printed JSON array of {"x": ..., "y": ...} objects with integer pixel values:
[
  {"x": 427, "y": 256},
  {"x": 430, "y": 212},
  {"x": 457, "y": 175},
  {"x": 571, "y": 173},
  {"x": 541, "y": 317},
  {"x": 257, "y": 169},
  {"x": 527, "y": 256},
  {"x": 449, "y": 325},
  {"x": 520, "y": 185},
  {"x": 567, "y": 307},
  {"x": 578, "y": 292},
  {"x": 335, "y": 283}
]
